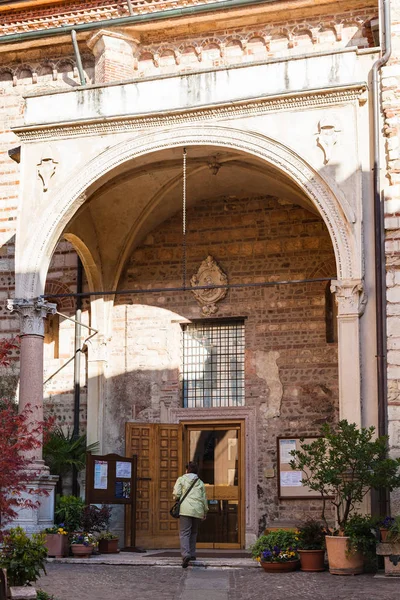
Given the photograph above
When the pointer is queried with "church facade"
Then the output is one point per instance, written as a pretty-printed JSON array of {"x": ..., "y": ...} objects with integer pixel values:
[{"x": 200, "y": 203}]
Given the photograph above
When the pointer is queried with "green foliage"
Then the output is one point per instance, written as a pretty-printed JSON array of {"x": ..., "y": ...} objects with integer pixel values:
[
  {"x": 362, "y": 533},
  {"x": 24, "y": 557},
  {"x": 107, "y": 535},
  {"x": 63, "y": 452},
  {"x": 69, "y": 512},
  {"x": 394, "y": 530},
  {"x": 345, "y": 464},
  {"x": 279, "y": 538},
  {"x": 42, "y": 595},
  {"x": 311, "y": 535}
]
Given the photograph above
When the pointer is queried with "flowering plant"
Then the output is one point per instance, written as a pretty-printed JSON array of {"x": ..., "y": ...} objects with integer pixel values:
[
  {"x": 107, "y": 535},
  {"x": 87, "y": 539},
  {"x": 56, "y": 529},
  {"x": 277, "y": 546},
  {"x": 386, "y": 523}
]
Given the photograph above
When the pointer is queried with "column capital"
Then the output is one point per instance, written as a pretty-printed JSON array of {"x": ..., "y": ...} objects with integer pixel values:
[
  {"x": 350, "y": 297},
  {"x": 31, "y": 314}
]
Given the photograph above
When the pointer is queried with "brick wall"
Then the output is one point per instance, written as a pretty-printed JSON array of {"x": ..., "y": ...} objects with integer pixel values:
[
  {"x": 291, "y": 371},
  {"x": 391, "y": 110}
]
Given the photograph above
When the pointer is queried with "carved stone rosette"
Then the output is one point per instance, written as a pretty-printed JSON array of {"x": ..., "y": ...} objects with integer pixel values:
[
  {"x": 350, "y": 297},
  {"x": 32, "y": 314},
  {"x": 210, "y": 274}
]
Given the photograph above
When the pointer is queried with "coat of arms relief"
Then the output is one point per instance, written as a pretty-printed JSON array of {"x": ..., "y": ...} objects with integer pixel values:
[{"x": 209, "y": 274}]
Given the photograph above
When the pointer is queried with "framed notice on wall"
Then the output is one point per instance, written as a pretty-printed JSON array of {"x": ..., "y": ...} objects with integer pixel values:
[{"x": 290, "y": 485}]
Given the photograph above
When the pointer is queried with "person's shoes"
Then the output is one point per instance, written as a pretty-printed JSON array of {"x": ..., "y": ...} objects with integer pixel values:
[
  {"x": 185, "y": 562},
  {"x": 193, "y": 558}
]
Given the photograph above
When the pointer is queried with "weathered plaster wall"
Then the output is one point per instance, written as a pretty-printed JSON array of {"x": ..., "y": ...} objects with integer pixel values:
[{"x": 291, "y": 371}]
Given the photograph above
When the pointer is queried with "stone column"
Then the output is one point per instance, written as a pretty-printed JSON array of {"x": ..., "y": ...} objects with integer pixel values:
[
  {"x": 97, "y": 360},
  {"x": 351, "y": 300},
  {"x": 32, "y": 314}
]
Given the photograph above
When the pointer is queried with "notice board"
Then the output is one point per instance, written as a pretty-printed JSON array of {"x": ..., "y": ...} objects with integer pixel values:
[
  {"x": 290, "y": 486},
  {"x": 110, "y": 479}
]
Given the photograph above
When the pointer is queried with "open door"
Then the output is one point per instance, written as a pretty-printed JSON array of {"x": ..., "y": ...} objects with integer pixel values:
[{"x": 218, "y": 450}]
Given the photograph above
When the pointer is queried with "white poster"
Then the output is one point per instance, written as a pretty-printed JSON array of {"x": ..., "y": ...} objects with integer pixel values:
[
  {"x": 123, "y": 470},
  {"x": 286, "y": 447},
  {"x": 291, "y": 478},
  {"x": 100, "y": 474}
]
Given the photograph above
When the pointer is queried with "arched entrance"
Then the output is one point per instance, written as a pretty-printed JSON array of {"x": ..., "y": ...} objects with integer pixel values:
[{"x": 95, "y": 207}]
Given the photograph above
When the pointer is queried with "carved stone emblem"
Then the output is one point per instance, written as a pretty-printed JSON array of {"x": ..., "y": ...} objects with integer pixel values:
[
  {"x": 209, "y": 274},
  {"x": 47, "y": 167},
  {"x": 327, "y": 136}
]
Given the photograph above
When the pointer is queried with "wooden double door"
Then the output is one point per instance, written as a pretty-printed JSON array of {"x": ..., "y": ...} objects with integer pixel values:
[{"x": 163, "y": 451}]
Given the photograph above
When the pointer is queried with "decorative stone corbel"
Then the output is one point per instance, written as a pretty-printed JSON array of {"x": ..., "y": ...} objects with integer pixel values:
[{"x": 32, "y": 314}]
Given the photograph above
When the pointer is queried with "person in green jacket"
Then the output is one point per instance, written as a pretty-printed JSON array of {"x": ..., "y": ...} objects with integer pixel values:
[{"x": 193, "y": 509}]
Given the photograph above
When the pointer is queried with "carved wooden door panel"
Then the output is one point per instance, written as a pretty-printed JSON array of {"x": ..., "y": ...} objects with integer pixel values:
[{"x": 159, "y": 451}]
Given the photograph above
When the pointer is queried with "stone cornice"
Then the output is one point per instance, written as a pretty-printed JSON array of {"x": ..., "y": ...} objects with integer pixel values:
[{"x": 245, "y": 108}]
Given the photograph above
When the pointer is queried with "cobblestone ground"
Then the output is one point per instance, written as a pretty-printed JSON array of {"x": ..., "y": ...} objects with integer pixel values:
[{"x": 105, "y": 582}]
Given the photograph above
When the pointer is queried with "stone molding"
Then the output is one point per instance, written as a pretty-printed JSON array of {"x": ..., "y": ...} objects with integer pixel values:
[
  {"x": 350, "y": 297},
  {"x": 234, "y": 413},
  {"x": 66, "y": 199},
  {"x": 249, "y": 108},
  {"x": 31, "y": 314}
]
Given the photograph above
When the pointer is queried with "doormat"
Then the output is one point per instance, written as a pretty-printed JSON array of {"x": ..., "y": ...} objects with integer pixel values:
[{"x": 206, "y": 554}]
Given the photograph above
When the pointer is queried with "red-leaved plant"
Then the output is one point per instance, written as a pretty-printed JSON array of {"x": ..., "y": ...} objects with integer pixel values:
[{"x": 20, "y": 436}]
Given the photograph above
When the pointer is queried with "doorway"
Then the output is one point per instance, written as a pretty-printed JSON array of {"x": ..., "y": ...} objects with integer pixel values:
[
  {"x": 163, "y": 451},
  {"x": 218, "y": 449}
]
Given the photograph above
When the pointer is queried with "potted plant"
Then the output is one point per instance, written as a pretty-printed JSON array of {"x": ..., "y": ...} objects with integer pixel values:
[
  {"x": 56, "y": 541},
  {"x": 277, "y": 551},
  {"x": 23, "y": 557},
  {"x": 82, "y": 544},
  {"x": 384, "y": 526},
  {"x": 69, "y": 512},
  {"x": 390, "y": 548},
  {"x": 311, "y": 545},
  {"x": 108, "y": 542},
  {"x": 343, "y": 466}
]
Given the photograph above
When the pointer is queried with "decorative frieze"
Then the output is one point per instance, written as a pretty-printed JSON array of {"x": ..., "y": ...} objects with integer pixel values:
[{"x": 32, "y": 314}]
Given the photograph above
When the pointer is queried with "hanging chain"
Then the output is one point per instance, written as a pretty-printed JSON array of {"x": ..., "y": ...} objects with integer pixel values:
[{"x": 184, "y": 220}]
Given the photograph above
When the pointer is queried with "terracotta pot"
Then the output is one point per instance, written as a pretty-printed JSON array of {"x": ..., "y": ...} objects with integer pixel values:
[
  {"x": 384, "y": 533},
  {"x": 312, "y": 560},
  {"x": 81, "y": 551},
  {"x": 108, "y": 546},
  {"x": 57, "y": 545},
  {"x": 283, "y": 567},
  {"x": 341, "y": 563}
]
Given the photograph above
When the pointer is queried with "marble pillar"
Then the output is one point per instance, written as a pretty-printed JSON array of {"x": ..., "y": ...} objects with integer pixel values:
[
  {"x": 351, "y": 300},
  {"x": 32, "y": 314}
]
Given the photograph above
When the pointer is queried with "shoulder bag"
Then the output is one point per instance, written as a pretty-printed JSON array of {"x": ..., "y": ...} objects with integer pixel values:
[{"x": 174, "y": 511}]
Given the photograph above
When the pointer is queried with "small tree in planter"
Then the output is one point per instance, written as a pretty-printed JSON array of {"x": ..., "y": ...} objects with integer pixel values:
[
  {"x": 343, "y": 466},
  {"x": 23, "y": 557}
]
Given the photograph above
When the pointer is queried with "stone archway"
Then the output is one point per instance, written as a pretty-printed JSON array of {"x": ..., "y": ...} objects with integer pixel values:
[{"x": 33, "y": 255}]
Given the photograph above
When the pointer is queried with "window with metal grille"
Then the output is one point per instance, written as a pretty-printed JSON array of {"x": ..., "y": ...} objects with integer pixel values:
[{"x": 213, "y": 364}]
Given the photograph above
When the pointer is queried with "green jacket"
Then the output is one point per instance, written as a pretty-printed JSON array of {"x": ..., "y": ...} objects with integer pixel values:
[{"x": 195, "y": 503}]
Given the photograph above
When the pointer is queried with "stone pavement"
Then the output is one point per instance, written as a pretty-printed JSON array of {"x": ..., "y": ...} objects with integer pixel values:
[{"x": 91, "y": 581}]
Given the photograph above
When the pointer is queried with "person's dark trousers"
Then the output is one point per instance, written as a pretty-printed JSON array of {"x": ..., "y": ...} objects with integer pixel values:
[{"x": 188, "y": 528}]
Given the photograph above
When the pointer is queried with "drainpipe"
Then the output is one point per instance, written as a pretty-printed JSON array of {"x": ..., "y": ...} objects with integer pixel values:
[
  {"x": 130, "y": 7},
  {"x": 380, "y": 259},
  {"x": 78, "y": 58},
  {"x": 77, "y": 365}
]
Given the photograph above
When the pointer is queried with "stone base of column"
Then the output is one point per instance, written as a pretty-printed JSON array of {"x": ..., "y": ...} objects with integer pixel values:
[{"x": 34, "y": 520}]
